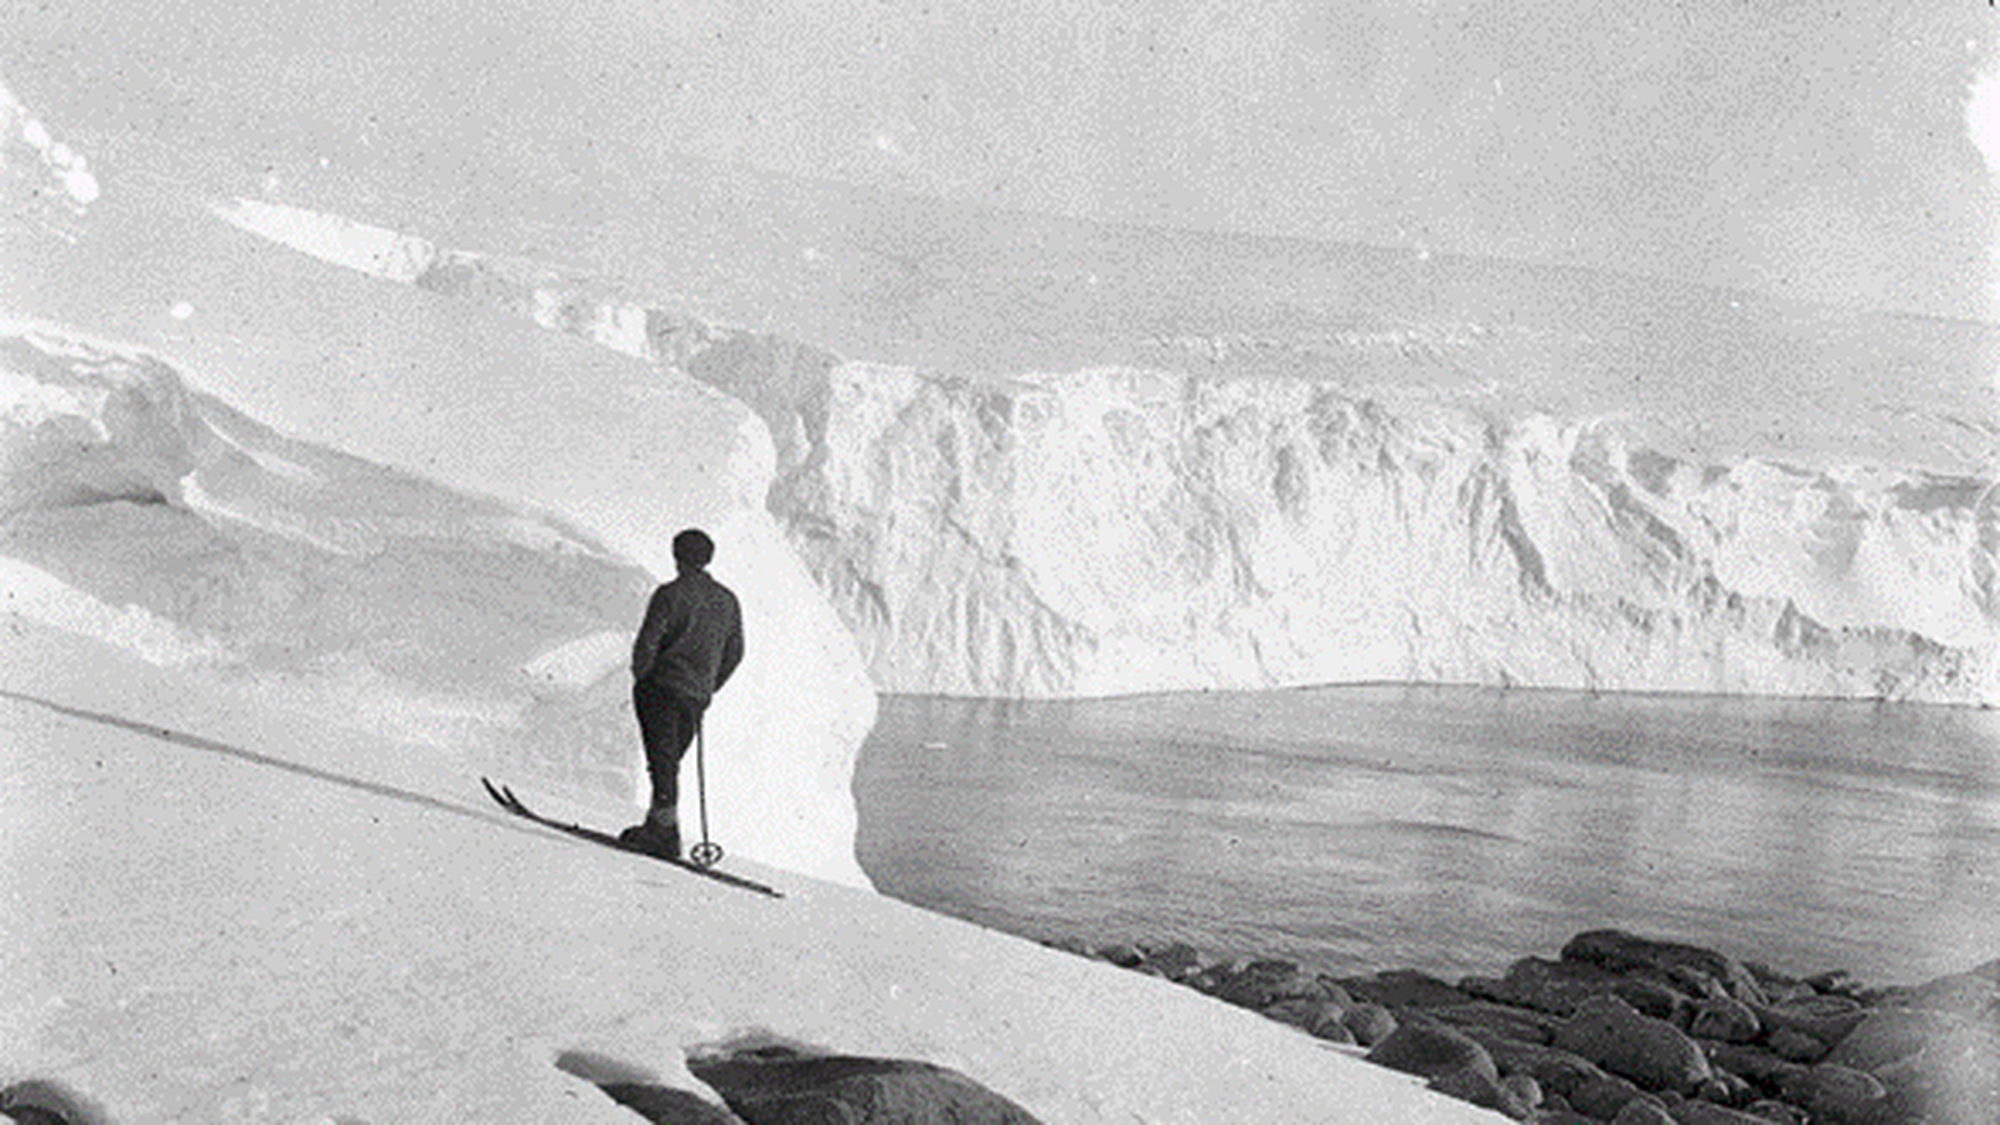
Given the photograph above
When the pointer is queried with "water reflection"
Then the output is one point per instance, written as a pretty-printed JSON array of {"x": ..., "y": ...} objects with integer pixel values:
[{"x": 1450, "y": 829}]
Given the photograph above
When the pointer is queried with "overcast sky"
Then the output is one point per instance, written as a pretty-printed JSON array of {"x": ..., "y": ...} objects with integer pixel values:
[{"x": 1815, "y": 149}]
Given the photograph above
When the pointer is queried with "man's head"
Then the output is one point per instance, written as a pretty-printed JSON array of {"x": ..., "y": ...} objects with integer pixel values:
[{"x": 693, "y": 549}]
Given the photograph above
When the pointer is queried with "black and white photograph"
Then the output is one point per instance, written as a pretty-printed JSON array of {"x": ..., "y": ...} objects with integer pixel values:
[{"x": 955, "y": 562}]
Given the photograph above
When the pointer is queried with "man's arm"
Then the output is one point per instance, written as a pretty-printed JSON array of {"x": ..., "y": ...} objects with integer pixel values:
[
  {"x": 732, "y": 650},
  {"x": 652, "y": 632}
]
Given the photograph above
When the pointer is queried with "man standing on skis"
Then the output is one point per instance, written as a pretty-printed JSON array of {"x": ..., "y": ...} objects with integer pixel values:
[{"x": 689, "y": 645}]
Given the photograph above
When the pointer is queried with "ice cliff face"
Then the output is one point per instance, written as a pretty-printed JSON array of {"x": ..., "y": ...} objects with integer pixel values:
[
  {"x": 1123, "y": 531},
  {"x": 1126, "y": 528}
]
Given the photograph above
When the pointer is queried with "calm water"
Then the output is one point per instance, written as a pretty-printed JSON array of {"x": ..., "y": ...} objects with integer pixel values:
[{"x": 1450, "y": 829}]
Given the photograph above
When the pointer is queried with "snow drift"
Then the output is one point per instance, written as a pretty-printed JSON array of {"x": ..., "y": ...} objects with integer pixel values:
[
  {"x": 135, "y": 511},
  {"x": 423, "y": 517},
  {"x": 217, "y": 912}
]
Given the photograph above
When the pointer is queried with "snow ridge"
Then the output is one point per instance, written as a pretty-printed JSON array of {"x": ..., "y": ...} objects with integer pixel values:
[{"x": 160, "y": 521}]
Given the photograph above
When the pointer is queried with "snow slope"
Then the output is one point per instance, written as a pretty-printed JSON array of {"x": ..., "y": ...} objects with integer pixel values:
[
  {"x": 215, "y": 328},
  {"x": 217, "y": 913}
]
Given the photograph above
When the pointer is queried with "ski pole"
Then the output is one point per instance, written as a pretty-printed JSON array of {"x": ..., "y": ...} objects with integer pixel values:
[{"x": 706, "y": 853}]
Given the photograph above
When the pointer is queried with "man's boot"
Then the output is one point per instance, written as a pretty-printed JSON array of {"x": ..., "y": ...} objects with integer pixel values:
[{"x": 659, "y": 835}]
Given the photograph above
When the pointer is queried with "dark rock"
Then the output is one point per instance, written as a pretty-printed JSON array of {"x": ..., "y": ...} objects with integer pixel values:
[
  {"x": 1369, "y": 1023},
  {"x": 1622, "y": 952},
  {"x": 1470, "y": 1084},
  {"x": 1713, "y": 1090},
  {"x": 1523, "y": 1089},
  {"x": 1754, "y": 1063},
  {"x": 1795, "y": 1046},
  {"x": 1651, "y": 1052},
  {"x": 1211, "y": 978},
  {"x": 1121, "y": 954},
  {"x": 1696, "y": 983},
  {"x": 1778, "y": 987},
  {"x": 1333, "y": 1030},
  {"x": 1604, "y": 1096},
  {"x": 1887, "y": 1035},
  {"x": 1836, "y": 1095},
  {"x": 779, "y": 1086},
  {"x": 1515, "y": 1023},
  {"x": 1334, "y": 992},
  {"x": 1708, "y": 1113},
  {"x": 1660, "y": 1001},
  {"x": 1264, "y": 983},
  {"x": 1555, "y": 1070},
  {"x": 44, "y": 1101},
  {"x": 1825, "y": 1018},
  {"x": 1643, "y": 1111},
  {"x": 1069, "y": 945},
  {"x": 1741, "y": 1091},
  {"x": 1554, "y": 1115},
  {"x": 664, "y": 1105},
  {"x": 1549, "y": 986},
  {"x": 1175, "y": 961},
  {"x": 1727, "y": 1019},
  {"x": 1403, "y": 988},
  {"x": 1771, "y": 979},
  {"x": 1782, "y": 1112},
  {"x": 1837, "y": 982},
  {"x": 1304, "y": 1013},
  {"x": 1429, "y": 1050}
]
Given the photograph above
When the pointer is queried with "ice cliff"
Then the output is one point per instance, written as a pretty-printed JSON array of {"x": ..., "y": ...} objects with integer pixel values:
[
  {"x": 1119, "y": 531},
  {"x": 1186, "y": 526}
]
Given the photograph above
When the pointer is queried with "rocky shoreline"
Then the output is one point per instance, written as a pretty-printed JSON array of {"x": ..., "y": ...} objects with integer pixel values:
[{"x": 1629, "y": 1030}]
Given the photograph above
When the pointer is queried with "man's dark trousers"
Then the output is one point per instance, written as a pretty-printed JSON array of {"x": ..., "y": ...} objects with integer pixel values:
[{"x": 667, "y": 723}]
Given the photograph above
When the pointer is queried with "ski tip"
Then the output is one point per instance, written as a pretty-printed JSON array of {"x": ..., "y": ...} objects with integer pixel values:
[{"x": 502, "y": 796}]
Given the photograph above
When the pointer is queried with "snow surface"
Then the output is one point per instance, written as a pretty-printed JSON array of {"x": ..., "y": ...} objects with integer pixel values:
[{"x": 215, "y": 912}]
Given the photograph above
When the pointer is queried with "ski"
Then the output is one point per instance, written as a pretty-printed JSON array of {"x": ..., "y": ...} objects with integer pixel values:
[{"x": 506, "y": 799}]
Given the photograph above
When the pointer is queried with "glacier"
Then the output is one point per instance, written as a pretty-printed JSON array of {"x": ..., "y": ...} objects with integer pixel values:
[
  {"x": 1124, "y": 531},
  {"x": 1214, "y": 513}
]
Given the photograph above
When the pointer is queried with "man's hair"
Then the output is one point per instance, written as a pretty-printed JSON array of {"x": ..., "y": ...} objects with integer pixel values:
[{"x": 693, "y": 549}]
